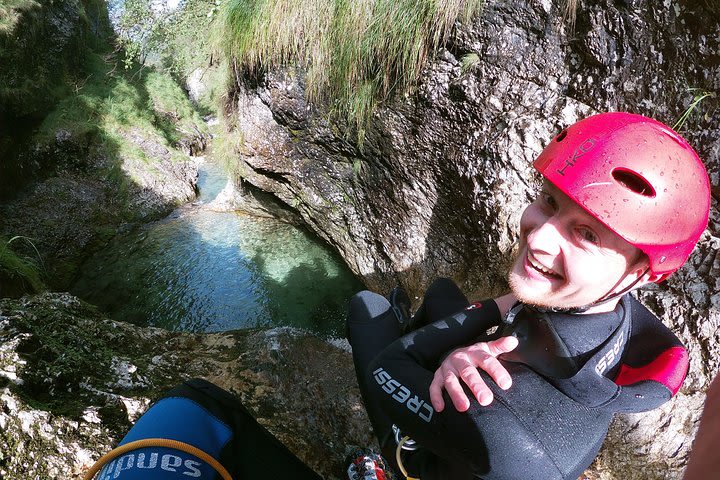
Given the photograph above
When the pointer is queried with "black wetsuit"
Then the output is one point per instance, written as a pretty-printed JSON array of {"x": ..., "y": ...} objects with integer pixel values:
[{"x": 570, "y": 374}]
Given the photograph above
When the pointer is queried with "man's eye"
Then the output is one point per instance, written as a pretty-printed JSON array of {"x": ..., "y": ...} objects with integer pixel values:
[
  {"x": 548, "y": 199},
  {"x": 589, "y": 236}
]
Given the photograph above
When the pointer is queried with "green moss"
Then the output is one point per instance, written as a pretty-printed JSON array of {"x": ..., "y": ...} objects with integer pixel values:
[{"x": 60, "y": 353}]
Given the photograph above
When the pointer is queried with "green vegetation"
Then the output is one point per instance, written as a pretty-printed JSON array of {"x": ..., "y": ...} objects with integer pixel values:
[
  {"x": 111, "y": 105},
  {"x": 468, "y": 62},
  {"x": 697, "y": 99},
  {"x": 20, "y": 269},
  {"x": 226, "y": 146},
  {"x": 86, "y": 92},
  {"x": 38, "y": 55},
  {"x": 11, "y": 12},
  {"x": 356, "y": 53},
  {"x": 191, "y": 44},
  {"x": 177, "y": 42}
]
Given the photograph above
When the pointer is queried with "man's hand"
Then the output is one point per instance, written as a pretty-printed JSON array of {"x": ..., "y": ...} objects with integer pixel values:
[{"x": 463, "y": 364}]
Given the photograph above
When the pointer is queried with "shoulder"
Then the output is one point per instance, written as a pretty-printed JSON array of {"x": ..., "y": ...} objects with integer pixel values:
[
  {"x": 648, "y": 335},
  {"x": 653, "y": 354}
]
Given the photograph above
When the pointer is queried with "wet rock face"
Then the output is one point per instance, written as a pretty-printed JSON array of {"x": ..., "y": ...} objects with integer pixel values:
[
  {"x": 72, "y": 383},
  {"x": 444, "y": 174}
]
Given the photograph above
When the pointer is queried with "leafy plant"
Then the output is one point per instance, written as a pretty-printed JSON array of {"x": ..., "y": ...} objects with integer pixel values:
[{"x": 177, "y": 40}]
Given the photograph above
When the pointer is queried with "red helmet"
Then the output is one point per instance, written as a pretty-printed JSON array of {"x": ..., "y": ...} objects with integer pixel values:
[{"x": 639, "y": 178}]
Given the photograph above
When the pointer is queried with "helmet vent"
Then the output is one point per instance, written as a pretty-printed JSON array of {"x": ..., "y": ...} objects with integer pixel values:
[
  {"x": 633, "y": 182},
  {"x": 561, "y": 136}
]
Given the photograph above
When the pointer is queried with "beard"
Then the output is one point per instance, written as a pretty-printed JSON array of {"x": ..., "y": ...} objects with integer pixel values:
[{"x": 539, "y": 300}]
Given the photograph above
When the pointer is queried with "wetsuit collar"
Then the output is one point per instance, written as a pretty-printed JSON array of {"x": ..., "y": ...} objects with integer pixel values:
[{"x": 559, "y": 345}]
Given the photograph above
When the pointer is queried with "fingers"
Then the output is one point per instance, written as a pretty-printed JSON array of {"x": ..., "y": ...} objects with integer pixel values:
[
  {"x": 477, "y": 386},
  {"x": 502, "y": 345},
  {"x": 463, "y": 366},
  {"x": 492, "y": 366},
  {"x": 436, "y": 388},
  {"x": 455, "y": 390}
]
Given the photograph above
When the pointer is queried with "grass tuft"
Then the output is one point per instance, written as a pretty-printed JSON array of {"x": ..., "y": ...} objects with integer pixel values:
[
  {"x": 23, "y": 269},
  {"x": 11, "y": 13},
  {"x": 570, "y": 14},
  {"x": 697, "y": 99},
  {"x": 469, "y": 62},
  {"x": 356, "y": 53}
]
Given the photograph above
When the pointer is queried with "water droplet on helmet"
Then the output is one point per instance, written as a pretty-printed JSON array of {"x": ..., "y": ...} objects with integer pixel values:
[
  {"x": 662, "y": 173},
  {"x": 662, "y": 259},
  {"x": 626, "y": 200}
]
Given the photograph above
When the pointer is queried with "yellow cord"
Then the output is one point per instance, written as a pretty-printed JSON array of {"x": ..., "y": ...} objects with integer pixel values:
[
  {"x": 399, "y": 460},
  {"x": 157, "y": 442}
]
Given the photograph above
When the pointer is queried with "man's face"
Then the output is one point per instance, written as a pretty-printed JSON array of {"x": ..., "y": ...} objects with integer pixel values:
[{"x": 566, "y": 257}]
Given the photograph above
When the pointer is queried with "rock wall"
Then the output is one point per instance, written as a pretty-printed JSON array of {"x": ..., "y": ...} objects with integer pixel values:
[
  {"x": 441, "y": 180},
  {"x": 41, "y": 44},
  {"x": 72, "y": 383},
  {"x": 444, "y": 173}
]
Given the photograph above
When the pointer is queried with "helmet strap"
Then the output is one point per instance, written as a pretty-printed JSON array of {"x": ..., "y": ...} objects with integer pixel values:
[{"x": 611, "y": 295}]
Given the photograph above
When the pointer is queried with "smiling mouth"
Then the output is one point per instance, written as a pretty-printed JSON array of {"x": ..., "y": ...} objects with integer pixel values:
[{"x": 548, "y": 272}]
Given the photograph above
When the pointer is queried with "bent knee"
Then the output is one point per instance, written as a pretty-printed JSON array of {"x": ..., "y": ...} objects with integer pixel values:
[{"x": 366, "y": 305}]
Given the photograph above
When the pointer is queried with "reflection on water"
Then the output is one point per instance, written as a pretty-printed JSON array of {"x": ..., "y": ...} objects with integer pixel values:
[{"x": 212, "y": 271}]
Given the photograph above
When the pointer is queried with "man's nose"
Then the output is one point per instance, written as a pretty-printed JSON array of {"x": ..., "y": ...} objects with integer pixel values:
[{"x": 546, "y": 237}]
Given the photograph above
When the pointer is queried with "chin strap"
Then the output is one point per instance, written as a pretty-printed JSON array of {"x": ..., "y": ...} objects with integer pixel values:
[
  {"x": 604, "y": 299},
  {"x": 612, "y": 296}
]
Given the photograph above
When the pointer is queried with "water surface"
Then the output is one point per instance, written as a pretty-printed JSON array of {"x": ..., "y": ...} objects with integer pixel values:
[{"x": 206, "y": 271}]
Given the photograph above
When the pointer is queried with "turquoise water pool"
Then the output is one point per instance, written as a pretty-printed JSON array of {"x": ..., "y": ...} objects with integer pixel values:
[{"x": 205, "y": 271}]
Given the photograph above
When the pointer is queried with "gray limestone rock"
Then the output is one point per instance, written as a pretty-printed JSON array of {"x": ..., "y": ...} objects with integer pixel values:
[{"x": 72, "y": 382}]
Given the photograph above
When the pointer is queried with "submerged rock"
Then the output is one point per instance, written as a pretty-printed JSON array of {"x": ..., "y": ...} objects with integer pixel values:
[{"x": 72, "y": 382}]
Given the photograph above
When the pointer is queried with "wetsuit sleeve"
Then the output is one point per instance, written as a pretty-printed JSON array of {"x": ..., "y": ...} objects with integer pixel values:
[
  {"x": 400, "y": 378},
  {"x": 653, "y": 366}
]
